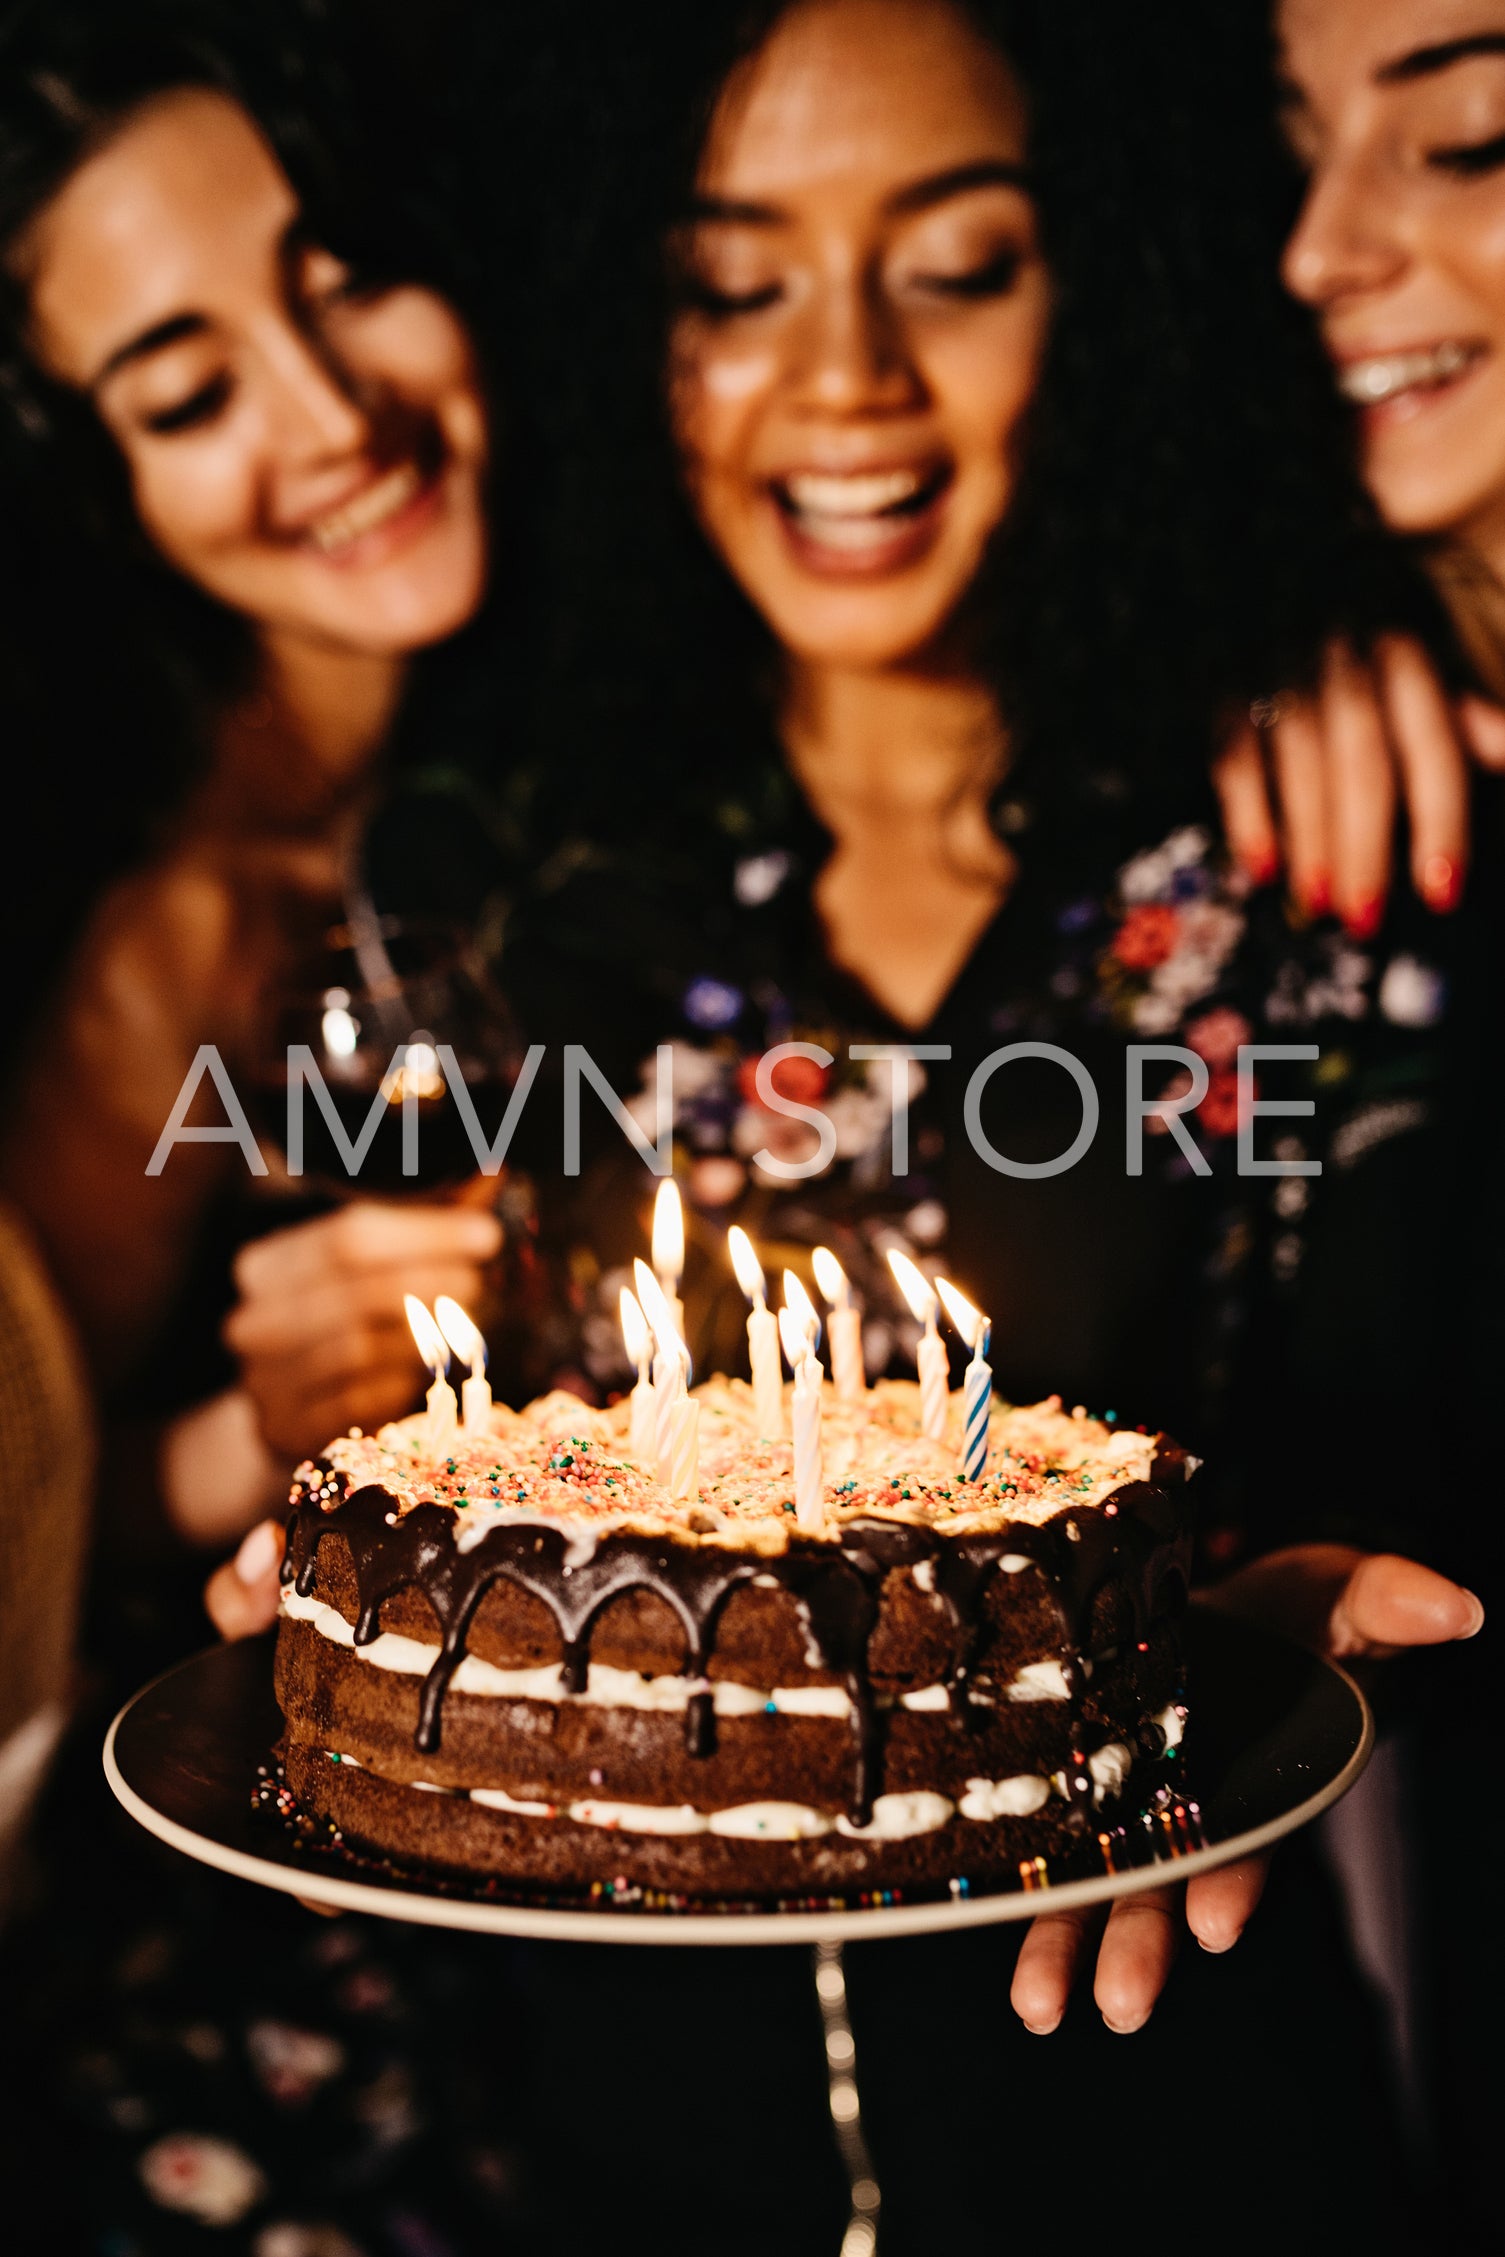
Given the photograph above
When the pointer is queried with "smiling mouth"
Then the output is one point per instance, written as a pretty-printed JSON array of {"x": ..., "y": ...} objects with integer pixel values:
[
  {"x": 1382, "y": 377},
  {"x": 858, "y": 513},
  {"x": 374, "y": 506}
]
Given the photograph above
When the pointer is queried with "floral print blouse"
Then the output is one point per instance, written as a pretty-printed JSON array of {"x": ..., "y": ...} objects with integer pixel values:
[{"x": 1267, "y": 1318}]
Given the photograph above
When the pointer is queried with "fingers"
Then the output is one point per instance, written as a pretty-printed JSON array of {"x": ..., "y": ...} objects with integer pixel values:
[
  {"x": 1219, "y": 1905},
  {"x": 339, "y": 1313},
  {"x": 1297, "y": 749},
  {"x": 1360, "y": 792},
  {"x": 1135, "y": 1958},
  {"x": 1049, "y": 1958},
  {"x": 242, "y": 1596},
  {"x": 365, "y": 1236},
  {"x": 1483, "y": 726},
  {"x": 1433, "y": 769},
  {"x": 1243, "y": 794},
  {"x": 1388, "y": 1603}
]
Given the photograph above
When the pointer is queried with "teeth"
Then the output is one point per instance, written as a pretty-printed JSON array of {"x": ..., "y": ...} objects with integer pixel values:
[
  {"x": 381, "y": 500},
  {"x": 850, "y": 533},
  {"x": 860, "y": 494},
  {"x": 1370, "y": 381}
]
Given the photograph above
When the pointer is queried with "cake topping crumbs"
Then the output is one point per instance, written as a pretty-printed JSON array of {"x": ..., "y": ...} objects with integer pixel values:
[{"x": 561, "y": 1460}]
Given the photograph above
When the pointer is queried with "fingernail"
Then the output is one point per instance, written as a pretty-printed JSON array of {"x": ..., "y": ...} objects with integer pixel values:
[
  {"x": 1261, "y": 868},
  {"x": 1217, "y": 1950},
  {"x": 1441, "y": 883},
  {"x": 1041, "y": 2029},
  {"x": 1317, "y": 894},
  {"x": 1476, "y": 1616},
  {"x": 1364, "y": 922},
  {"x": 1125, "y": 2029},
  {"x": 259, "y": 1552}
]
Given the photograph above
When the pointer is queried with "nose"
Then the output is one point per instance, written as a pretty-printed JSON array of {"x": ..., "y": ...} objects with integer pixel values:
[
  {"x": 318, "y": 411},
  {"x": 854, "y": 356},
  {"x": 1346, "y": 239}
]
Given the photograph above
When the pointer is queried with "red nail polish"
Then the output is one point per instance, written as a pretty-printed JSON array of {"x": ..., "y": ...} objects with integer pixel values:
[
  {"x": 1262, "y": 868},
  {"x": 1317, "y": 895},
  {"x": 1364, "y": 922},
  {"x": 1441, "y": 883}
]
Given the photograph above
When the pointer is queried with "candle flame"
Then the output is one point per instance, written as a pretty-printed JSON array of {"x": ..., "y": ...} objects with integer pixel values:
[
  {"x": 462, "y": 1333},
  {"x": 797, "y": 1342},
  {"x": 800, "y": 1306},
  {"x": 656, "y": 1309},
  {"x": 429, "y": 1339},
  {"x": 913, "y": 1284},
  {"x": 745, "y": 1262},
  {"x": 830, "y": 1276},
  {"x": 969, "y": 1322},
  {"x": 668, "y": 1232},
  {"x": 634, "y": 1326}
]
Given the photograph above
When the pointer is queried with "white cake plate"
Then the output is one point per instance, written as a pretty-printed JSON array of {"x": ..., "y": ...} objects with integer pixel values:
[{"x": 1275, "y": 1737}]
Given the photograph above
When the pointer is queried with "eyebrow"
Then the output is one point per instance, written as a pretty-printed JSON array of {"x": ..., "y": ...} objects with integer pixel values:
[
  {"x": 918, "y": 196},
  {"x": 1426, "y": 62},
  {"x": 153, "y": 340}
]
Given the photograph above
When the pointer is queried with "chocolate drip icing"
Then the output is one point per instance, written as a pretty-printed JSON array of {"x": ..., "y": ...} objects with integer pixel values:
[{"x": 1141, "y": 1533}]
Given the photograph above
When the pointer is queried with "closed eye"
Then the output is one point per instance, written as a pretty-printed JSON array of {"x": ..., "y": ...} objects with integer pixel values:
[
  {"x": 721, "y": 305},
  {"x": 1470, "y": 160},
  {"x": 200, "y": 407},
  {"x": 993, "y": 279}
]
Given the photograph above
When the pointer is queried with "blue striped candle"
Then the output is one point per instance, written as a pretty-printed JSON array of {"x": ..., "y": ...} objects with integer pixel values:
[{"x": 977, "y": 1405}]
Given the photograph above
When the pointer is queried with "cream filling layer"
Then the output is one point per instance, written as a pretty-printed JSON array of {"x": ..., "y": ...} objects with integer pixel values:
[
  {"x": 626, "y": 1688},
  {"x": 896, "y": 1818}
]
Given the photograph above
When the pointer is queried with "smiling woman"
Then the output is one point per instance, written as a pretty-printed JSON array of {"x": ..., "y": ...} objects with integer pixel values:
[
  {"x": 864, "y": 313},
  {"x": 1396, "y": 111},
  {"x": 246, "y": 417},
  {"x": 306, "y": 448}
]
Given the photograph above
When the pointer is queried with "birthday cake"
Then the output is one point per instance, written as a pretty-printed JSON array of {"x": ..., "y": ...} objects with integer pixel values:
[{"x": 516, "y": 1654}]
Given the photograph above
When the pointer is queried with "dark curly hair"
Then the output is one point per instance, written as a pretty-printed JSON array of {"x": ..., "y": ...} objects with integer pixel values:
[{"x": 1189, "y": 529}]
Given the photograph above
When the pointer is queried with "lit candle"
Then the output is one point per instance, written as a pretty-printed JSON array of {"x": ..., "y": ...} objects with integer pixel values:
[
  {"x": 846, "y": 1327},
  {"x": 669, "y": 1247},
  {"x": 639, "y": 1342},
  {"x": 762, "y": 1337},
  {"x": 934, "y": 1371},
  {"x": 431, "y": 1347},
  {"x": 684, "y": 1449},
  {"x": 977, "y": 1383},
  {"x": 809, "y": 1474},
  {"x": 670, "y": 1366},
  {"x": 465, "y": 1341}
]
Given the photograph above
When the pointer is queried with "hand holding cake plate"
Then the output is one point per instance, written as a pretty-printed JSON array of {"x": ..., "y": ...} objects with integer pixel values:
[{"x": 939, "y": 1649}]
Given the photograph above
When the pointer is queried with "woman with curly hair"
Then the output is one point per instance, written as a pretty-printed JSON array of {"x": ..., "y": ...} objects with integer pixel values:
[{"x": 1018, "y": 475}]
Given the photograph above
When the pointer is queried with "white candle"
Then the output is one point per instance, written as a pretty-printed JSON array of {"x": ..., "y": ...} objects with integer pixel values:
[
  {"x": 977, "y": 1382},
  {"x": 684, "y": 1449},
  {"x": 670, "y": 1367},
  {"x": 638, "y": 1341},
  {"x": 935, "y": 1383},
  {"x": 669, "y": 1248},
  {"x": 809, "y": 1473},
  {"x": 465, "y": 1341},
  {"x": 442, "y": 1407},
  {"x": 934, "y": 1371},
  {"x": 762, "y": 1337},
  {"x": 668, "y": 1394},
  {"x": 847, "y": 1368}
]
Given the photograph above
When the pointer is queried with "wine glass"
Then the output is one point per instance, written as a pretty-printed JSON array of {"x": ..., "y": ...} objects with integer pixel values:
[{"x": 365, "y": 1039}]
